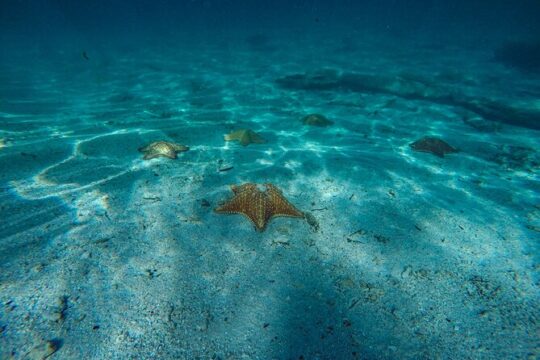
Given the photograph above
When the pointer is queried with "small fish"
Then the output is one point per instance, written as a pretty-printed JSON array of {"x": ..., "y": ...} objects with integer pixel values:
[{"x": 85, "y": 56}]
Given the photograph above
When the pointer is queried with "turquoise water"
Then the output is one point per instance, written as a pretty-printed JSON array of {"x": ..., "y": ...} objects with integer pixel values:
[{"x": 402, "y": 254}]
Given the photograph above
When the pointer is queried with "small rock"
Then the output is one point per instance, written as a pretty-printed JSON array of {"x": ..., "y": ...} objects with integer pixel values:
[
  {"x": 312, "y": 221},
  {"x": 62, "y": 308},
  {"x": 380, "y": 238},
  {"x": 38, "y": 267},
  {"x": 10, "y": 306},
  {"x": 483, "y": 313},
  {"x": 152, "y": 273},
  {"x": 406, "y": 272},
  {"x": 205, "y": 203}
]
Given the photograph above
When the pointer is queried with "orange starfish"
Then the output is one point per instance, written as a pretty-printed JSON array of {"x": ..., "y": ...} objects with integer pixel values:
[{"x": 259, "y": 206}]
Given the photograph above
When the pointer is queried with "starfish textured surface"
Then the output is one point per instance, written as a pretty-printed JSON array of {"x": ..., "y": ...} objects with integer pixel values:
[
  {"x": 433, "y": 145},
  {"x": 162, "y": 149},
  {"x": 259, "y": 206},
  {"x": 245, "y": 137}
]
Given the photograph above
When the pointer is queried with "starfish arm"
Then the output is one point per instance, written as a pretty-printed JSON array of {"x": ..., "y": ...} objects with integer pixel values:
[
  {"x": 245, "y": 187},
  {"x": 438, "y": 153},
  {"x": 248, "y": 201},
  {"x": 244, "y": 140},
  {"x": 292, "y": 214},
  {"x": 162, "y": 149},
  {"x": 258, "y": 139},
  {"x": 230, "y": 209},
  {"x": 287, "y": 211},
  {"x": 259, "y": 223},
  {"x": 150, "y": 155},
  {"x": 279, "y": 205},
  {"x": 426, "y": 151},
  {"x": 235, "y": 135},
  {"x": 239, "y": 203},
  {"x": 245, "y": 137}
]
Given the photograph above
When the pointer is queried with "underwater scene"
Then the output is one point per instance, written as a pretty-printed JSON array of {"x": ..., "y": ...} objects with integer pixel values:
[{"x": 302, "y": 179}]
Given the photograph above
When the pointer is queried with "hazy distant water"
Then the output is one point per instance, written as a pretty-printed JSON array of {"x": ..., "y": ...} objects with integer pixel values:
[{"x": 88, "y": 24}]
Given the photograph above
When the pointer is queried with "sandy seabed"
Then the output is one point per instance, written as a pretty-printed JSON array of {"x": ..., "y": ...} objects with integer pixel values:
[{"x": 407, "y": 255}]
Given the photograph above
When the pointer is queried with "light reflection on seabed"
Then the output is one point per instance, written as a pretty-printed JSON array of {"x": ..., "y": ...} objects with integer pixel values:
[{"x": 398, "y": 233}]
